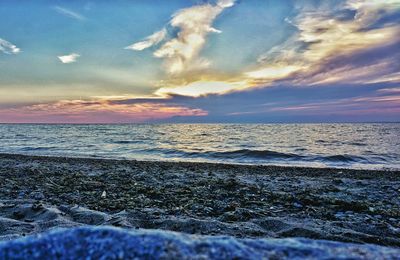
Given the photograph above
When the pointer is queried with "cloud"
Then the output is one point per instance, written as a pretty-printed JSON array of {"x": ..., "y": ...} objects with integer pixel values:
[
  {"x": 182, "y": 52},
  {"x": 69, "y": 13},
  {"x": 323, "y": 36},
  {"x": 376, "y": 104},
  {"x": 287, "y": 103},
  {"x": 8, "y": 48},
  {"x": 282, "y": 103},
  {"x": 225, "y": 3},
  {"x": 369, "y": 10},
  {"x": 390, "y": 90},
  {"x": 199, "y": 88},
  {"x": 374, "y": 64},
  {"x": 328, "y": 47},
  {"x": 153, "y": 39},
  {"x": 271, "y": 72},
  {"x": 96, "y": 111},
  {"x": 71, "y": 58}
]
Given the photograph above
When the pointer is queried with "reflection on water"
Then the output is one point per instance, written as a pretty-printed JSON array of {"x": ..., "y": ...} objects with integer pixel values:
[{"x": 333, "y": 145}]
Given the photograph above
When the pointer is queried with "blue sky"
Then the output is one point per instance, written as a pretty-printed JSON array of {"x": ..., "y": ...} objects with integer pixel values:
[{"x": 199, "y": 61}]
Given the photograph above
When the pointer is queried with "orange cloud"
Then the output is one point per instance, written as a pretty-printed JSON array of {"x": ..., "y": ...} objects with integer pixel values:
[{"x": 95, "y": 111}]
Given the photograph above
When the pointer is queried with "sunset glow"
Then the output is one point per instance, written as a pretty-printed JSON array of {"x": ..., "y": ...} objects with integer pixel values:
[{"x": 175, "y": 59}]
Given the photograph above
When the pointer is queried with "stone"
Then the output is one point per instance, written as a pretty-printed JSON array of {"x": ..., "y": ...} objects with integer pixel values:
[{"x": 113, "y": 243}]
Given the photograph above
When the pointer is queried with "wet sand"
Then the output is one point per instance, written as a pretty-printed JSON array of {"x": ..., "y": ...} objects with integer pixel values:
[{"x": 41, "y": 193}]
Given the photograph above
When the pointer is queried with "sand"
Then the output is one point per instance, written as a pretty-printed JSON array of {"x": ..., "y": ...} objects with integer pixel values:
[{"x": 42, "y": 193}]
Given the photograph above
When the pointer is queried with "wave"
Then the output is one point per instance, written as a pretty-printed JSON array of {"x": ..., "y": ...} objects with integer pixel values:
[
  {"x": 342, "y": 158},
  {"x": 127, "y": 142},
  {"x": 358, "y": 144},
  {"x": 30, "y": 148},
  {"x": 256, "y": 154},
  {"x": 247, "y": 155},
  {"x": 296, "y": 144},
  {"x": 235, "y": 154},
  {"x": 260, "y": 156}
]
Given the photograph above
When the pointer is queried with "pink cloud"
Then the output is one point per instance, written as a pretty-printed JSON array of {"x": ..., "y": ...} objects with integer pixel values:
[{"x": 95, "y": 111}]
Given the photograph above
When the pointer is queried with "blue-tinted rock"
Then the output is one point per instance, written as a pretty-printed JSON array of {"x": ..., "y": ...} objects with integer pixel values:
[{"x": 112, "y": 243}]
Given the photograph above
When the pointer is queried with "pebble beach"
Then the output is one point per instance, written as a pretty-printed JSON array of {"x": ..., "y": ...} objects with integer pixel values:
[{"x": 242, "y": 201}]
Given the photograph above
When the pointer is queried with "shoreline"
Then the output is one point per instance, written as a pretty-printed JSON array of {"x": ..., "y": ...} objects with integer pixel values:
[
  {"x": 243, "y": 201},
  {"x": 209, "y": 163}
]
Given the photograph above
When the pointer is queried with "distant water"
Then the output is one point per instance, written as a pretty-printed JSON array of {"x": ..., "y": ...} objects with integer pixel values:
[{"x": 367, "y": 146}]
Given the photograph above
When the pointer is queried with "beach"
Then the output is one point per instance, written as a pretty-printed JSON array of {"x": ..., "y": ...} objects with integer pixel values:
[
  {"x": 219, "y": 129},
  {"x": 40, "y": 193}
]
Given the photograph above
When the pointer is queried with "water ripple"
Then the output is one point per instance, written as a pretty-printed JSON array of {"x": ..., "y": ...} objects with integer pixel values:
[{"x": 371, "y": 146}]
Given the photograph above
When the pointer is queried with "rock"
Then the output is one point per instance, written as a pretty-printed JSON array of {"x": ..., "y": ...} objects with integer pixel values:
[
  {"x": 37, "y": 206},
  {"x": 337, "y": 181},
  {"x": 21, "y": 194},
  {"x": 112, "y": 243},
  {"x": 37, "y": 195},
  {"x": 339, "y": 215},
  {"x": 297, "y": 205}
]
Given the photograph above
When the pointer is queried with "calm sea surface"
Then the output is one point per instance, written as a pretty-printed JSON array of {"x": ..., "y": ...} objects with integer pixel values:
[{"x": 368, "y": 146}]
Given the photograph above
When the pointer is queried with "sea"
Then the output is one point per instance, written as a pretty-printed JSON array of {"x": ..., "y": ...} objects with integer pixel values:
[{"x": 355, "y": 146}]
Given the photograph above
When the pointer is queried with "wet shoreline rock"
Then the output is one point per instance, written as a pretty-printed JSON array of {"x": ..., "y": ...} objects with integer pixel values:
[{"x": 112, "y": 243}]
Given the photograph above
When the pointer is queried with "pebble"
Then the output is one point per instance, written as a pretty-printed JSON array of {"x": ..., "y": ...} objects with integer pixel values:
[
  {"x": 163, "y": 190},
  {"x": 37, "y": 195},
  {"x": 21, "y": 195},
  {"x": 339, "y": 214},
  {"x": 297, "y": 205}
]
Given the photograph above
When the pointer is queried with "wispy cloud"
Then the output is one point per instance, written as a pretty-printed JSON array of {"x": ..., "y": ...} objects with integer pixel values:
[
  {"x": 381, "y": 104},
  {"x": 390, "y": 90},
  {"x": 151, "y": 40},
  {"x": 8, "y": 48},
  {"x": 71, "y": 58},
  {"x": 376, "y": 104},
  {"x": 69, "y": 13},
  {"x": 182, "y": 52},
  {"x": 372, "y": 70},
  {"x": 392, "y": 77}
]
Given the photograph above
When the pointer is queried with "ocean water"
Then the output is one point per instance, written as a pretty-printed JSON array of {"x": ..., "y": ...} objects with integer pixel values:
[{"x": 366, "y": 146}]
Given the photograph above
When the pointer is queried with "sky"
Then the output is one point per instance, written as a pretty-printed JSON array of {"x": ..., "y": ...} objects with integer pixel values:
[{"x": 243, "y": 61}]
